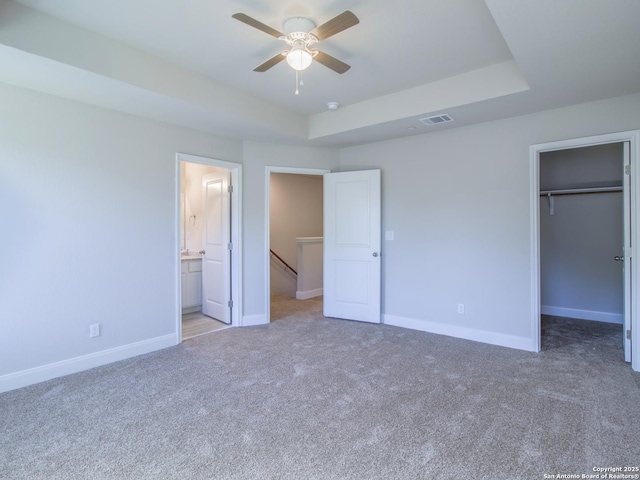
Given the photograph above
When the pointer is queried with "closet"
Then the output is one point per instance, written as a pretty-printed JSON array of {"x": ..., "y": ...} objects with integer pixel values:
[{"x": 582, "y": 233}]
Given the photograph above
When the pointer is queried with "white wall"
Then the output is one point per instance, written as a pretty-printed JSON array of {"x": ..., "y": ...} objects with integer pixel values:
[
  {"x": 88, "y": 203},
  {"x": 458, "y": 201},
  {"x": 88, "y": 200},
  {"x": 310, "y": 268},
  {"x": 282, "y": 281},
  {"x": 295, "y": 211},
  {"x": 579, "y": 277},
  {"x": 594, "y": 166}
]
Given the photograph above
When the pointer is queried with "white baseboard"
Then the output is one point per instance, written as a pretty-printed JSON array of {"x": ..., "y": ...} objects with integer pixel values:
[
  {"x": 492, "y": 338},
  {"x": 192, "y": 309},
  {"x": 252, "y": 320},
  {"x": 316, "y": 292},
  {"x": 43, "y": 373},
  {"x": 582, "y": 314}
]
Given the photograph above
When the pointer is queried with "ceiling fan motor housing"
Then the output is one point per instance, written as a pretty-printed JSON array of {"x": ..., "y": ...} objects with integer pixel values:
[{"x": 298, "y": 24}]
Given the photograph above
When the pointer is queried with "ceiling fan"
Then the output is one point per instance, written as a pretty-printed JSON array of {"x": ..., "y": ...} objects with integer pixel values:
[{"x": 300, "y": 34}]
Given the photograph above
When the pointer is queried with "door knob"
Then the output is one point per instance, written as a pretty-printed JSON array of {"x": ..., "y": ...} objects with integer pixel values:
[
  {"x": 201, "y": 252},
  {"x": 618, "y": 258},
  {"x": 375, "y": 254}
]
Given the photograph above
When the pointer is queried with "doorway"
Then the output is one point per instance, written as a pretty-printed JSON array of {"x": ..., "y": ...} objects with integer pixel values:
[
  {"x": 209, "y": 245},
  {"x": 581, "y": 240},
  {"x": 293, "y": 221},
  {"x": 624, "y": 182},
  {"x": 351, "y": 252}
]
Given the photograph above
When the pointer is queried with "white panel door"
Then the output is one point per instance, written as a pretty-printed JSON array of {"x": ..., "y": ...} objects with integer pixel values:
[
  {"x": 627, "y": 254},
  {"x": 216, "y": 274},
  {"x": 352, "y": 245}
]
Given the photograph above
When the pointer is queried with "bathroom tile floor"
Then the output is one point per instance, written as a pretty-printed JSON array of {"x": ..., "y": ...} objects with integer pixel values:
[{"x": 197, "y": 323}]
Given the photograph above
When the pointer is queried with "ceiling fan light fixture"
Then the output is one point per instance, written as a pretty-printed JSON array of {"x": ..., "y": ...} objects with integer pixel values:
[
  {"x": 299, "y": 58},
  {"x": 301, "y": 34}
]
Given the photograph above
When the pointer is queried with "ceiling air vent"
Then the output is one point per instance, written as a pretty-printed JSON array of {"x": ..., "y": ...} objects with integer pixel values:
[{"x": 436, "y": 119}]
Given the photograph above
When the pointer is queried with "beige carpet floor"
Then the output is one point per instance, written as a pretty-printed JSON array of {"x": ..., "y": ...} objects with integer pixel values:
[
  {"x": 283, "y": 307},
  {"x": 309, "y": 397}
]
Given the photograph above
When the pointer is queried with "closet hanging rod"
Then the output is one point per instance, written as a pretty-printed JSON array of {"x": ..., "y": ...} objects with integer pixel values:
[{"x": 578, "y": 191}]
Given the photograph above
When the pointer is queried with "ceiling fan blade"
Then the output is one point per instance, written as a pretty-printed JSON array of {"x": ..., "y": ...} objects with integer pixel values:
[
  {"x": 256, "y": 24},
  {"x": 270, "y": 63},
  {"x": 331, "y": 62},
  {"x": 345, "y": 20}
]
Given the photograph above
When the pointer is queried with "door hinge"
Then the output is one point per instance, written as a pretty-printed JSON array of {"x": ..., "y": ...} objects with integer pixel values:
[
  {"x": 230, "y": 188},
  {"x": 627, "y": 169},
  {"x": 230, "y": 304},
  {"x": 629, "y": 334},
  {"x": 230, "y": 246}
]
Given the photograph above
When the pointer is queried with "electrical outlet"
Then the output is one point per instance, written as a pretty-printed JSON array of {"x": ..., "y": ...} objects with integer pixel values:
[
  {"x": 461, "y": 308},
  {"x": 94, "y": 330}
]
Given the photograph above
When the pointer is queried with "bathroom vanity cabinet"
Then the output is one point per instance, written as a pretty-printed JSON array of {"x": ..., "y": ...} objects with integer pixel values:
[{"x": 191, "y": 277}]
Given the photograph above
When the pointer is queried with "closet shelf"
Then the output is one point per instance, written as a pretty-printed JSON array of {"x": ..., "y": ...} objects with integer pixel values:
[{"x": 579, "y": 191}]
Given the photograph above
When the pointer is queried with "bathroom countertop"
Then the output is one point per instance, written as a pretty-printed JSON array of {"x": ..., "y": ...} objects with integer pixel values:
[{"x": 191, "y": 257}]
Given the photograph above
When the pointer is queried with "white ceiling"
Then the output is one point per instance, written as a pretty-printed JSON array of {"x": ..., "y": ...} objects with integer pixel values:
[{"x": 190, "y": 63}]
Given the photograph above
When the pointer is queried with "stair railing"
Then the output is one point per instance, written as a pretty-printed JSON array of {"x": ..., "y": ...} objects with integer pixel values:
[{"x": 286, "y": 265}]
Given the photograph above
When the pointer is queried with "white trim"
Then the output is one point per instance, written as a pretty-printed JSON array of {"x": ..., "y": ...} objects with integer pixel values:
[
  {"x": 492, "y": 338},
  {"x": 253, "y": 320},
  {"x": 267, "y": 228},
  {"x": 534, "y": 243},
  {"x": 197, "y": 308},
  {"x": 606, "y": 317},
  {"x": 43, "y": 373},
  {"x": 627, "y": 209},
  {"x": 236, "y": 235},
  {"x": 309, "y": 239},
  {"x": 176, "y": 249},
  {"x": 316, "y": 292},
  {"x": 186, "y": 157},
  {"x": 633, "y": 137}
]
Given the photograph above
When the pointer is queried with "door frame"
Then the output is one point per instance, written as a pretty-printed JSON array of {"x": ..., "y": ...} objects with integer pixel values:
[
  {"x": 267, "y": 228},
  {"x": 235, "y": 236},
  {"x": 633, "y": 137}
]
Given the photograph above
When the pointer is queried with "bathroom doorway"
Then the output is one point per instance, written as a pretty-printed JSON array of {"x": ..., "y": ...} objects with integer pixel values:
[{"x": 209, "y": 242}]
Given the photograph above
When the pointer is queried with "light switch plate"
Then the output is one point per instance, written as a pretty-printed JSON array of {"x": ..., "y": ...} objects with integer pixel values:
[
  {"x": 388, "y": 235},
  {"x": 94, "y": 330}
]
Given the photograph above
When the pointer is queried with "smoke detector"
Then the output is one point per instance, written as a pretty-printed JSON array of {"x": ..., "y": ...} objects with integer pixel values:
[{"x": 333, "y": 105}]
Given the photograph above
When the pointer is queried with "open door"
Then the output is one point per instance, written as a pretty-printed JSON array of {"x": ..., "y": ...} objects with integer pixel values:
[
  {"x": 626, "y": 268},
  {"x": 352, "y": 245},
  {"x": 216, "y": 264}
]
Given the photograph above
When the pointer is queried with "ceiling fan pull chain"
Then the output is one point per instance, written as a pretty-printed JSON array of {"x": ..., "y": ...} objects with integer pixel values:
[{"x": 297, "y": 82}]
